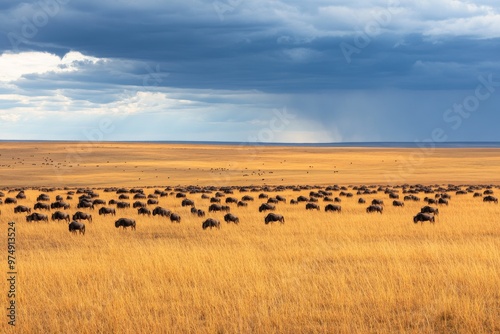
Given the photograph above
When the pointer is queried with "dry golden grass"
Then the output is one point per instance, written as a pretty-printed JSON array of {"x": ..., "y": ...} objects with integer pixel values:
[{"x": 318, "y": 273}]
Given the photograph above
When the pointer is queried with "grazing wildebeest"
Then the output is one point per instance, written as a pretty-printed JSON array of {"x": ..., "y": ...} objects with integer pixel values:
[
  {"x": 231, "y": 200},
  {"x": 43, "y": 197},
  {"x": 293, "y": 201},
  {"x": 21, "y": 195},
  {"x": 144, "y": 211},
  {"x": 22, "y": 208},
  {"x": 302, "y": 199},
  {"x": 187, "y": 202},
  {"x": 122, "y": 205},
  {"x": 161, "y": 212},
  {"x": 337, "y": 199},
  {"x": 175, "y": 218},
  {"x": 377, "y": 202},
  {"x": 123, "y": 196},
  {"x": 263, "y": 196},
  {"x": 152, "y": 201},
  {"x": 125, "y": 222},
  {"x": 138, "y": 204},
  {"x": 441, "y": 200},
  {"x": 229, "y": 217},
  {"x": 35, "y": 216},
  {"x": 180, "y": 195},
  {"x": 274, "y": 217},
  {"x": 411, "y": 198},
  {"x": 214, "y": 200},
  {"x": 60, "y": 205},
  {"x": 266, "y": 206},
  {"x": 398, "y": 203},
  {"x": 200, "y": 213},
  {"x": 281, "y": 198},
  {"x": 490, "y": 198},
  {"x": 85, "y": 204},
  {"x": 76, "y": 226},
  {"x": 272, "y": 200},
  {"x": 429, "y": 209},
  {"x": 194, "y": 210},
  {"x": 374, "y": 208},
  {"x": 98, "y": 202},
  {"x": 312, "y": 206},
  {"x": 139, "y": 196},
  {"x": 421, "y": 217},
  {"x": 225, "y": 208},
  {"x": 333, "y": 208},
  {"x": 210, "y": 222},
  {"x": 10, "y": 200},
  {"x": 361, "y": 200},
  {"x": 41, "y": 206},
  {"x": 58, "y": 215},
  {"x": 82, "y": 216},
  {"x": 241, "y": 203},
  {"x": 112, "y": 201},
  {"x": 107, "y": 211},
  {"x": 214, "y": 207},
  {"x": 393, "y": 196},
  {"x": 247, "y": 198},
  {"x": 205, "y": 196},
  {"x": 477, "y": 195},
  {"x": 488, "y": 192}
]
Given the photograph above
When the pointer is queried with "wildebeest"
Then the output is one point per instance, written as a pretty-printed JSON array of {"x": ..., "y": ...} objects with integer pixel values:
[
  {"x": 274, "y": 217},
  {"x": 214, "y": 200},
  {"x": 41, "y": 206},
  {"x": 266, "y": 206},
  {"x": 312, "y": 206},
  {"x": 281, "y": 198},
  {"x": 43, "y": 197},
  {"x": 398, "y": 203},
  {"x": 421, "y": 217},
  {"x": 60, "y": 205},
  {"x": 152, "y": 201},
  {"x": 85, "y": 204},
  {"x": 122, "y": 205},
  {"x": 35, "y": 216},
  {"x": 107, "y": 211},
  {"x": 377, "y": 202},
  {"x": 374, "y": 208},
  {"x": 175, "y": 218},
  {"x": 144, "y": 211},
  {"x": 123, "y": 196},
  {"x": 272, "y": 200},
  {"x": 429, "y": 209},
  {"x": 333, "y": 208},
  {"x": 247, "y": 198},
  {"x": 200, "y": 213},
  {"x": 22, "y": 208},
  {"x": 82, "y": 216},
  {"x": 411, "y": 198},
  {"x": 76, "y": 226},
  {"x": 10, "y": 200},
  {"x": 139, "y": 196},
  {"x": 214, "y": 207},
  {"x": 125, "y": 222},
  {"x": 361, "y": 200},
  {"x": 293, "y": 201},
  {"x": 241, "y": 203},
  {"x": 442, "y": 201},
  {"x": 231, "y": 200},
  {"x": 98, "y": 202},
  {"x": 490, "y": 198},
  {"x": 138, "y": 204},
  {"x": 229, "y": 217},
  {"x": 187, "y": 202},
  {"x": 210, "y": 222},
  {"x": 262, "y": 195},
  {"x": 58, "y": 215},
  {"x": 302, "y": 199},
  {"x": 161, "y": 212}
]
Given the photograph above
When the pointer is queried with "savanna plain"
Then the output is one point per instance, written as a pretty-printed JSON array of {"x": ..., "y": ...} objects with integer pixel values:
[{"x": 318, "y": 272}]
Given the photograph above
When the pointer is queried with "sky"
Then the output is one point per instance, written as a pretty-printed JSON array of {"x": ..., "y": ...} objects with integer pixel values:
[{"x": 295, "y": 71}]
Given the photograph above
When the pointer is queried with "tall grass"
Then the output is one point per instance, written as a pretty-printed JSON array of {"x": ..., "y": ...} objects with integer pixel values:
[{"x": 318, "y": 273}]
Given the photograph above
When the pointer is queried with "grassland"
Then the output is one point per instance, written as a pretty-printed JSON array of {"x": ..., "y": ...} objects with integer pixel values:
[{"x": 318, "y": 273}]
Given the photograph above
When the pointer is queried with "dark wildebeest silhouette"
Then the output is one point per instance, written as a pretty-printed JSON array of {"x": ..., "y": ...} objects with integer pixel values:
[
  {"x": 266, "y": 206},
  {"x": 200, "y": 213},
  {"x": 398, "y": 203},
  {"x": 43, "y": 198},
  {"x": 263, "y": 196},
  {"x": 443, "y": 201},
  {"x": 293, "y": 201},
  {"x": 302, "y": 199},
  {"x": 374, "y": 208},
  {"x": 274, "y": 217},
  {"x": 421, "y": 217},
  {"x": 41, "y": 206},
  {"x": 229, "y": 217},
  {"x": 85, "y": 204},
  {"x": 272, "y": 200},
  {"x": 490, "y": 198},
  {"x": 187, "y": 202},
  {"x": 140, "y": 196},
  {"x": 35, "y": 217},
  {"x": 98, "y": 202},
  {"x": 58, "y": 215},
  {"x": 82, "y": 216},
  {"x": 231, "y": 200},
  {"x": 281, "y": 198},
  {"x": 76, "y": 226},
  {"x": 209, "y": 223},
  {"x": 107, "y": 211},
  {"x": 429, "y": 209},
  {"x": 22, "y": 208},
  {"x": 361, "y": 200},
  {"x": 122, "y": 205},
  {"x": 60, "y": 205},
  {"x": 10, "y": 200},
  {"x": 144, "y": 211},
  {"x": 241, "y": 203},
  {"x": 125, "y": 222},
  {"x": 152, "y": 201},
  {"x": 174, "y": 217},
  {"x": 333, "y": 208},
  {"x": 312, "y": 206},
  {"x": 138, "y": 204},
  {"x": 161, "y": 212},
  {"x": 247, "y": 198},
  {"x": 123, "y": 196},
  {"x": 214, "y": 200},
  {"x": 377, "y": 202}
]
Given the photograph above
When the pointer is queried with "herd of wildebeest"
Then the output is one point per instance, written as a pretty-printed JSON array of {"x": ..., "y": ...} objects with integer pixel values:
[{"x": 223, "y": 199}]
